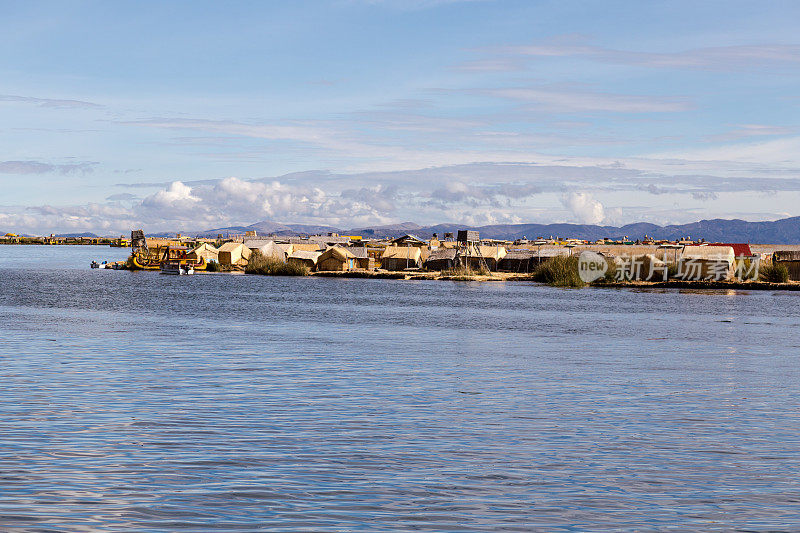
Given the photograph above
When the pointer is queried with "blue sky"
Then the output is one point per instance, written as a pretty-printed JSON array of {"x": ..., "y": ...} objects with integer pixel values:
[{"x": 193, "y": 115}]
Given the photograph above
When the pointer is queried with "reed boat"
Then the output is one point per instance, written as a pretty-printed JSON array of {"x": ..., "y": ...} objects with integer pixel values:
[{"x": 154, "y": 258}]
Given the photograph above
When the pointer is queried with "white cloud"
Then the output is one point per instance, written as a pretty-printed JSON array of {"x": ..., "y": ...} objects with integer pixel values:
[
  {"x": 475, "y": 194},
  {"x": 583, "y": 207},
  {"x": 499, "y": 195}
]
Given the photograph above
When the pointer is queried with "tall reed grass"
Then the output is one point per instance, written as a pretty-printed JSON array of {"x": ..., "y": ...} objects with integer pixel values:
[
  {"x": 559, "y": 271},
  {"x": 774, "y": 273},
  {"x": 462, "y": 271},
  {"x": 269, "y": 266}
]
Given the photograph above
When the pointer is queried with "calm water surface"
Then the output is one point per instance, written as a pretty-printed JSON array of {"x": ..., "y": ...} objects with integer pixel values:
[{"x": 142, "y": 402}]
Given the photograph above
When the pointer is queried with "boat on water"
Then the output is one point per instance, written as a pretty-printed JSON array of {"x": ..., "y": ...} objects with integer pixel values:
[
  {"x": 155, "y": 258},
  {"x": 161, "y": 257},
  {"x": 177, "y": 268}
]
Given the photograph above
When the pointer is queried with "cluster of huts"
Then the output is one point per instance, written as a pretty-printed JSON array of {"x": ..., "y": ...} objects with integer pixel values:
[
  {"x": 408, "y": 253},
  {"x": 333, "y": 253}
]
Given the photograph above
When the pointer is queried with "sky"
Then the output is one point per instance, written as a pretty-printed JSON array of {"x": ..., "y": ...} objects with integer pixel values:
[{"x": 187, "y": 116}]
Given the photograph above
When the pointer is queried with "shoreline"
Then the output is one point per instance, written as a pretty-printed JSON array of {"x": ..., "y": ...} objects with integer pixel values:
[{"x": 508, "y": 276}]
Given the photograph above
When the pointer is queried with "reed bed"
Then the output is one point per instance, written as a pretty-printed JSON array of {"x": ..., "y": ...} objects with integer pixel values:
[
  {"x": 774, "y": 273},
  {"x": 561, "y": 271},
  {"x": 269, "y": 266},
  {"x": 465, "y": 273}
]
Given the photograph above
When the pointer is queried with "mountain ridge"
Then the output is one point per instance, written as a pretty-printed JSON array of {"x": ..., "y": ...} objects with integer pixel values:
[{"x": 783, "y": 231}]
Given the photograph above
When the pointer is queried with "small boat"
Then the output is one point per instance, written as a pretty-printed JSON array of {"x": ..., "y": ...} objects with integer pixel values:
[
  {"x": 104, "y": 264},
  {"x": 176, "y": 268}
]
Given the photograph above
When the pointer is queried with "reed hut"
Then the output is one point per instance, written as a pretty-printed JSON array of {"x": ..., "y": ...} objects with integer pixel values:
[
  {"x": 234, "y": 254},
  {"x": 269, "y": 249},
  {"x": 409, "y": 240},
  {"x": 791, "y": 260},
  {"x": 647, "y": 267},
  {"x": 471, "y": 256},
  {"x": 308, "y": 247},
  {"x": 304, "y": 258},
  {"x": 441, "y": 259},
  {"x": 706, "y": 263},
  {"x": 205, "y": 252},
  {"x": 401, "y": 257},
  {"x": 337, "y": 259},
  {"x": 519, "y": 261},
  {"x": 363, "y": 260},
  {"x": 522, "y": 260}
]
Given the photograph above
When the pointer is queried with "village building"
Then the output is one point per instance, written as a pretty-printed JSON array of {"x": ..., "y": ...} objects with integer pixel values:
[
  {"x": 706, "y": 263},
  {"x": 204, "y": 252},
  {"x": 441, "y": 259},
  {"x": 519, "y": 261},
  {"x": 305, "y": 246},
  {"x": 401, "y": 258},
  {"x": 363, "y": 260},
  {"x": 337, "y": 259},
  {"x": 234, "y": 254},
  {"x": 646, "y": 267},
  {"x": 270, "y": 249},
  {"x": 740, "y": 250},
  {"x": 791, "y": 260},
  {"x": 304, "y": 258},
  {"x": 476, "y": 256},
  {"x": 328, "y": 240},
  {"x": 409, "y": 240}
]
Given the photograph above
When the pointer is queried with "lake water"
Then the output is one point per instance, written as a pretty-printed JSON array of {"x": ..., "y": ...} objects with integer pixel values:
[{"x": 141, "y": 402}]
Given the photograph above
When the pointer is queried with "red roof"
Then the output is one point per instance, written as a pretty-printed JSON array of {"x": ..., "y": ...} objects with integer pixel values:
[{"x": 739, "y": 249}]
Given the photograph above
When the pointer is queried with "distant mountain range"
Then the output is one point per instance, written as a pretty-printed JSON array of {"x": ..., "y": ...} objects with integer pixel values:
[
  {"x": 77, "y": 235},
  {"x": 784, "y": 231}
]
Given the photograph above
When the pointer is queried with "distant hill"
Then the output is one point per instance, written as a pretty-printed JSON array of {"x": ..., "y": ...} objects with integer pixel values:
[
  {"x": 268, "y": 227},
  {"x": 77, "y": 235},
  {"x": 382, "y": 232},
  {"x": 784, "y": 231}
]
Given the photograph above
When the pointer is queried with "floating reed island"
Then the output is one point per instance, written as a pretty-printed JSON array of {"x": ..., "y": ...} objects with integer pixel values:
[{"x": 467, "y": 257}]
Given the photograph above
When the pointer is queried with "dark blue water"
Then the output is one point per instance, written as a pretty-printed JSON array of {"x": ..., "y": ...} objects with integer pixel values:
[{"x": 142, "y": 402}]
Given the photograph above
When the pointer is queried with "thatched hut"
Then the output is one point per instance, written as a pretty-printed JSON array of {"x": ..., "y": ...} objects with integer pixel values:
[
  {"x": 401, "y": 257},
  {"x": 471, "y": 256},
  {"x": 645, "y": 267},
  {"x": 791, "y": 260},
  {"x": 205, "y": 253},
  {"x": 363, "y": 260},
  {"x": 270, "y": 249},
  {"x": 519, "y": 261},
  {"x": 304, "y": 258},
  {"x": 706, "y": 263},
  {"x": 336, "y": 258},
  {"x": 308, "y": 247},
  {"x": 409, "y": 240},
  {"x": 234, "y": 254},
  {"x": 441, "y": 259}
]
